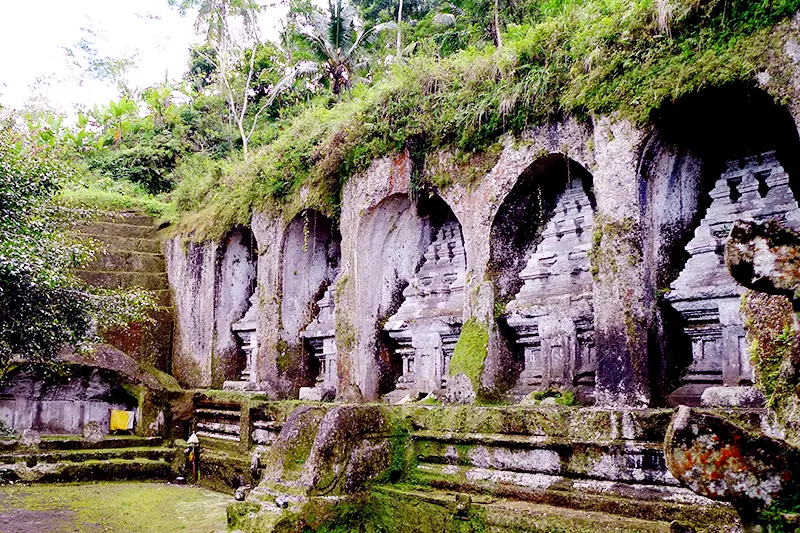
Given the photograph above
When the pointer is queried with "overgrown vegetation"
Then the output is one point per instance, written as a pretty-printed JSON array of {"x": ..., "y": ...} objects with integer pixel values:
[
  {"x": 468, "y": 72},
  {"x": 43, "y": 305},
  {"x": 562, "y": 57}
]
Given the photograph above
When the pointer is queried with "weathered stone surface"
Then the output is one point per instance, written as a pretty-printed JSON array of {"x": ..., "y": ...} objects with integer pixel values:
[
  {"x": 30, "y": 437},
  {"x": 212, "y": 284},
  {"x": 56, "y": 405},
  {"x": 720, "y": 460},
  {"x": 552, "y": 315},
  {"x": 426, "y": 327},
  {"x": 765, "y": 257},
  {"x": 743, "y": 397},
  {"x": 756, "y": 188},
  {"x": 459, "y": 390},
  {"x": 92, "y": 432},
  {"x": 286, "y": 458}
]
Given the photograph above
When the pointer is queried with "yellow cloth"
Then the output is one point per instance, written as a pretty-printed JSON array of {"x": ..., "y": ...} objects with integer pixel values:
[{"x": 121, "y": 420}]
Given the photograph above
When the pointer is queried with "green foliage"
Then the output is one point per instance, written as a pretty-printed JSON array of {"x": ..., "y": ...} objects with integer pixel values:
[
  {"x": 770, "y": 331},
  {"x": 559, "y": 57},
  {"x": 470, "y": 352},
  {"x": 42, "y": 304},
  {"x": 772, "y": 518},
  {"x": 563, "y": 398}
]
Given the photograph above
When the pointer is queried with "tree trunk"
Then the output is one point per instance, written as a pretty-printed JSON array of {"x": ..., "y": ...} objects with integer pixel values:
[
  {"x": 497, "y": 24},
  {"x": 399, "y": 32}
]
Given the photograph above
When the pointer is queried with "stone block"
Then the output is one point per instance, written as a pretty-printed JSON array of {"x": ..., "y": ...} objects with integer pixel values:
[{"x": 744, "y": 397}]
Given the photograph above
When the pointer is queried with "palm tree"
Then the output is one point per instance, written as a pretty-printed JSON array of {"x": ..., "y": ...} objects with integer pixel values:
[{"x": 336, "y": 43}]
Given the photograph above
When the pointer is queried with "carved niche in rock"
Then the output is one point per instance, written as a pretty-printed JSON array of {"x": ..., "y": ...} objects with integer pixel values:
[
  {"x": 320, "y": 338},
  {"x": 245, "y": 329},
  {"x": 705, "y": 294},
  {"x": 426, "y": 327},
  {"x": 552, "y": 315}
]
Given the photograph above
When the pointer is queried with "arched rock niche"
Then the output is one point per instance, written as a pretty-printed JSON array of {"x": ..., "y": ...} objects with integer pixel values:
[
  {"x": 422, "y": 334},
  {"x": 309, "y": 265},
  {"x": 391, "y": 241},
  {"x": 716, "y": 156},
  {"x": 540, "y": 241},
  {"x": 235, "y": 308}
]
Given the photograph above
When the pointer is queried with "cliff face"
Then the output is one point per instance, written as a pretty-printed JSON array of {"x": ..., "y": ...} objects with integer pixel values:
[{"x": 657, "y": 200}]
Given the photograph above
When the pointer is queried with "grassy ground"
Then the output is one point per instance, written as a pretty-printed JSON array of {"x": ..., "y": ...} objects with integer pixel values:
[{"x": 111, "y": 507}]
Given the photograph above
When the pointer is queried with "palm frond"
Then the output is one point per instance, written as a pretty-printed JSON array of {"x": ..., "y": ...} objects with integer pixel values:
[{"x": 303, "y": 69}]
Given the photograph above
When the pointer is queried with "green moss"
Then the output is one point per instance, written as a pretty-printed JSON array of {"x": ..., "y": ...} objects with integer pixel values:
[
  {"x": 284, "y": 359},
  {"x": 119, "y": 507},
  {"x": 770, "y": 331},
  {"x": 470, "y": 352},
  {"x": 773, "y": 519}
]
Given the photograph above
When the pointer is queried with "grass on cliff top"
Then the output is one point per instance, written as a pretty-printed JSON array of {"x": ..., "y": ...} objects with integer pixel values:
[
  {"x": 573, "y": 57},
  {"x": 118, "y": 507},
  {"x": 105, "y": 194}
]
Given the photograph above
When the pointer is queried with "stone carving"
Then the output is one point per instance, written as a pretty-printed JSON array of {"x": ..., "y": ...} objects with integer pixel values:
[
  {"x": 245, "y": 329},
  {"x": 552, "y": 315},
  {"x": 320, "y": 336},
  {"x": 705, "y": 294},
  {"x": 720, "y": 460},
  {"x": 428, "y": 323}
]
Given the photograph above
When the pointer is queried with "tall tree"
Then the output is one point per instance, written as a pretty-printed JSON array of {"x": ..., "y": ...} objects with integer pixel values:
[
  {"x": 231, "y": 28},
  {"x": 336, "y": 42}
]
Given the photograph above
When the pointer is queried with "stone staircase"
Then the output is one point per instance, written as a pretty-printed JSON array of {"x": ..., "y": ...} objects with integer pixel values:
[
  {"x": 131, "y": 256},
  {"x": 509, "y": 469},
  {"x": 607, "y": 464},
  {"x": 60, "y": 459}
]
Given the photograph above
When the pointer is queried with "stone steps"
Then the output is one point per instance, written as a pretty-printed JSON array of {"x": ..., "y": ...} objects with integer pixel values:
[
  {"x": 616, "y": 460},
  {"x": 503, "y": 515},
  {"x": 79, "y": 456},
  {"x": 641, "y": 501},
  {"x": 133, "y": 218},
  {"x": 115, "y": 470},
  {"x": 68, "y": 442},
  {"x": 116, "y": 229},
  {"x": 114, "y": 242},
  {"x": 587, "y": 460},
  {"x": 127, "y": 261},
  {"x": 65, "y": 458},
  {"x": 124, "y": 280}
]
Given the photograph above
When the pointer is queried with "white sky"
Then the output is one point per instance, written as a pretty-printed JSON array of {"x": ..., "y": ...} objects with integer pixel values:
[{"x": 32, "y": 37}]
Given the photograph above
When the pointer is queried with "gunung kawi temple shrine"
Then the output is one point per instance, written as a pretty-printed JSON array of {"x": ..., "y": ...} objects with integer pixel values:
[{"x": 572, "y": 334}]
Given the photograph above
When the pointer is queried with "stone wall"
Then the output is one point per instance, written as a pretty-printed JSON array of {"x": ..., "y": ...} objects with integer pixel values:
[
  {"x": 645, "y": 192},
  {"x": 212, "y": 284}
]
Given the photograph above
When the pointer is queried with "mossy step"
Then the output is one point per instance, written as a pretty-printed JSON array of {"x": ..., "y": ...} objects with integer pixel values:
[
  {"x": 133, "y": 218},
  {"x": 113, "y": 242},
  {"x": 77, "y": 442},
  {"x": 506, "y": 515},
  {"x": 92, "y": 470},
  {"x": 583, "y": 424},
  {"x": 124, "y": 280},
  {"x": 648, "y": 502},
  {"x": 127, "y": 261},
  {"x": 629, "y": 461},
  {"x": 530, "y": 441},
  {"x": 78, "y": 456},
  {"x": 116, "y": 229}
]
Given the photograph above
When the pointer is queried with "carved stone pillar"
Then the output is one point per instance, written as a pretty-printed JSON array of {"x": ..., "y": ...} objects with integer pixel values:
[{"x": 705, "y": 294}]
